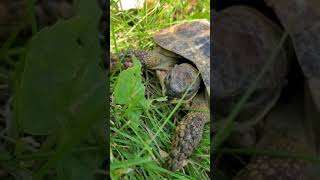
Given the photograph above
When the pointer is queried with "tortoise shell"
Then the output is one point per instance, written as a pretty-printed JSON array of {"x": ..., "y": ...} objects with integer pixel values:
[
  {"x": 241, "y": 51},
  {"x": 190, "y": 40},
  {"x": 301, "y": 19}
]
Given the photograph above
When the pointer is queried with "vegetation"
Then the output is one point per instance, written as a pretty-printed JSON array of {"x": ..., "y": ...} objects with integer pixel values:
[
  {"x": 52, "y": 126},
  {"x": 142, "y": 124}
]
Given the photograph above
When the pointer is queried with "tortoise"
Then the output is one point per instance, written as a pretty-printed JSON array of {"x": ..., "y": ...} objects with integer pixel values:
[
  {"x": 281, "y": 124},
  {"x": 181, "y": 60}
]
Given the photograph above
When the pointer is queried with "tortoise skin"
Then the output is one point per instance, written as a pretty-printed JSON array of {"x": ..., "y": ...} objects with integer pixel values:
[
  {"x": 187, "y": 135},
  {"x": 190, "y": 40},
  {"x": 179, "y": 79}
]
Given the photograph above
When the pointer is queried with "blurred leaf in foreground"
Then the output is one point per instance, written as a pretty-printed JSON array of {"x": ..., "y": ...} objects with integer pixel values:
[{"x": 62, "y": 80}]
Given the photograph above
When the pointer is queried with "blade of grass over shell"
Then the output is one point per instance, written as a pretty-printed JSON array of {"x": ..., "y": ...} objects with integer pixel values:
[{"x": 225, "y": 131}]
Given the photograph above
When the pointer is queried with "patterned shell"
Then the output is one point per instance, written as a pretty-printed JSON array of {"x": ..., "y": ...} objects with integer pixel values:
[{"x": 190, "y": 40}]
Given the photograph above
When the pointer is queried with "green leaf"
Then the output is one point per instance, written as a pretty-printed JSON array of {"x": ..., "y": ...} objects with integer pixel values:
[
  {"x": 125, "y": 86},
  {"x": 129, "y": 88},
  {"x": 87, "y": 8},
  {"x": 134, "y": 116},
  {"x": 79, "y": 166},
  {"x": 61, "y": 74}
]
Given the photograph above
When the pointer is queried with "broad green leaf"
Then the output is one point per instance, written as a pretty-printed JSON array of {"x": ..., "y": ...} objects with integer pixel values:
[
  {"x": 123, "y": 91},
  {"x": 134, "y": 116},
  {"x": 65, "y": 85},
  {"x": 59, "y": 77},
  {"x": 87, "y": 8},
  {"x": 129, "y": 88},
  {"x": 78, "y": 166}
]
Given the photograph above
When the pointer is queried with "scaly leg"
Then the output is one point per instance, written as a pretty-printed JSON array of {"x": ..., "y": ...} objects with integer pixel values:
[{"x": 188, "y": 134}]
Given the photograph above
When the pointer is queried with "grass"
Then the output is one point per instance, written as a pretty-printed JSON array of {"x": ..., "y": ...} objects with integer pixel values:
[{"x": 139, "y": 145}]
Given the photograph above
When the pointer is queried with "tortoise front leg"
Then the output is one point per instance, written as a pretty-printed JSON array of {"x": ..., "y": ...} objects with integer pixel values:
[
  {"x": 156, "y": 59},
  {"x": 123, "y": 60},
  {"x": 188, "y": 135}
]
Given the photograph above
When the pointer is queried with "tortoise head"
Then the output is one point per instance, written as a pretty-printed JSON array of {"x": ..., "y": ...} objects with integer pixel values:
[
  {"x": 175, "y": 79},
  {"x": 182, "y": 78}
]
